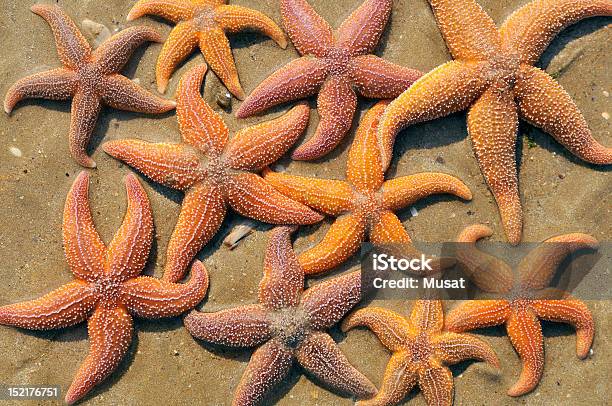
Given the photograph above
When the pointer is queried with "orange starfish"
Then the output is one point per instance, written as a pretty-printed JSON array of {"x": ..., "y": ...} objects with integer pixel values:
[
  {"x": 89, "y": 77},
  {"x": 334, "y": 66},
  {"x": 203, "y": 23},
  {"x": 288, "y": 326},
  {"x": 494, "y": 78},
  {"x": 364, "y": 204},
  {"x": 421, "y": 352},
  {"x": 526, "y": 300},
  {"x": 107, "y": 290},
  {"x": 215, "y": 172}
]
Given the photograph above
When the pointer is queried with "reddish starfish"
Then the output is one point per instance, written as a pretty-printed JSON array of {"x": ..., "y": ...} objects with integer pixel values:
[
  {"x": 528, "y": 300},
  {"x": 89, "y": 77},
  {"x": 421, "y": 352},
  {"x": 107, "y": 290},
  {"x": 335, "y": 66},
  {"x": 203, "y": 23},
  {"x": 364, "y": 204},
  {"x": 494, "y": 78},
  {"x": 288, "y": 325},
  {"x": 215, "y": 172}
]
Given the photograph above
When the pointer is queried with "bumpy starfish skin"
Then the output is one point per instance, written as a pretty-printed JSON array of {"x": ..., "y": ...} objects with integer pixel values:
[
  {"x": 525, "y": 300},
  {"x": 421, "y": 352},
  {"x": 364, "y": 204},
  {"x": 335, "y": 67},
  {"x": 214, "y": 171},
  {"x": 89, "y": 77},
  {"x": 107, "y": 290},
  {"x": 203, "y": 23},
  {"x": 288, "y": 326},
  {"x": 494, "y": 78}
]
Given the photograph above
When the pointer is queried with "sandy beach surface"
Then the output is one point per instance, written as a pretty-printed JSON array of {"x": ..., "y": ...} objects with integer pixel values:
[{"x": 165, "y": 365}]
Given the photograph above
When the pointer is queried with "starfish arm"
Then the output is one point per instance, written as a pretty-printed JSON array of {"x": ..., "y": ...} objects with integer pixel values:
[
  {"x": 85, "y": 109},
  {"x": 171, "y": 10},
  {"x": 545, "y": 104},
  {"x": 269, "y": 365},
  {"x": 110, "y": 335},
  {"x": 128, "y": 252},
  {"x": 236, "y": 18},
  {"x": 391, "y": 329},
  {"x": 245, "y": 326},
  {"x": 173, "y": 165},
  {"x": 525, "y": 333},
  {"x": 468, "y": 31},
  {"x": 452, "y": 348},
  {"x": 364, "y": 166},
  {"x": 427, "y": 315},
  {"x": 493, "y": 125},
  {"x": 539, "y": 266},
  {"x": 320, "y": 356},
  {"x": 283, "y": 279},
  {"x": 336, "y": 104},
  {"x": 339, "y": 244},
  {"x": 362, "y": 30},
  {"x": 436, "y": 383},
  {"x": 487, "y": 272},
  {"x": 218, "y": 54},
  {"x": 332, "y": 197},
  {"x": 121, "y": 93},
  {"x": 327, "y": 302},
  {"x": 375, "y": 78},
  {"x": 400, "y": 377},
  {"x": 63, "y": 307},
  {"x": 475, "y": 314},
  {"x": 199, "y": 124},
  {"x": 571, "y": 311},
  {"x": 154, "y": 298},
  {"x": 308, "y": 31},
  {"x": 84, "y": 249},
  {"x": 55, "y": 84},
  {"x": 255, "y": 198},
  {"x": 72, "y": 47},
  {"x": 406, "y": 190},
  {"x": 447, "y": 89},
  {"x": 300, "y": 78},
  {"x": 202, "y": 213},
  {"x": 114, "y": 53},
  {"x": 530, "y": 29},
  {"x": 181, "y": 42},
  {"x": 252, "y": 148}
]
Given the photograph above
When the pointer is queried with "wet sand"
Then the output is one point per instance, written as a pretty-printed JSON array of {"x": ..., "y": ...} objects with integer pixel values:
[{"x": 165, "y": 364}]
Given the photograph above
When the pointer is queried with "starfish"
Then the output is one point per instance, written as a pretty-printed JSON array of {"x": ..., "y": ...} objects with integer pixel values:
[
  {"x": 107, "y": 290},
  {"x": 203, "y": 23},
  {"x": 525, "y": 300},
  {"x": 89, "y": 77},
  {"x": 421, "y": 352},
  {"x": 288, "y": 326},
  {"x": 492, "y": 75},
  {"x": 333, "y": 65},
  {"x": 364, "y": 204},
  {"x": 215, "y": 172}
]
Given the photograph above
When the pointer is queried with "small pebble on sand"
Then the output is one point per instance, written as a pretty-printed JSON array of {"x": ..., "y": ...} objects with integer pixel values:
[
  {"x": 15, "y": 152},
  {"x": 605, "y": 115}
]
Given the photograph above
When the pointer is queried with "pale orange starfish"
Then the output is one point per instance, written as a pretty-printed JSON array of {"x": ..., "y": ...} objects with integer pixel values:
[
  {"x": 422, "y": 351},
  {"x": 214, "y": 171},
  {"x": 107, "y": 290},
  {"x": 364, "y": 204},
  {"x": 494, "y": 78},
  {"x": 89, "y": 77},
  {"x": 204, "y": 23},
  {"x": 288, "y": 326},
  {"x": 334, "y": 65},
  {"x": 525, "y": 300}
]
